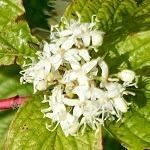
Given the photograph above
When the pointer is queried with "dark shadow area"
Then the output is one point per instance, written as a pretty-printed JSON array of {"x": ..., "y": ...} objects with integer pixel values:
[
  {"x": 5, "y": 113},
  {"x": 110, "y": 143},
  {"x": 10, "y": 71},
  {"x": 35, "y": 13}
]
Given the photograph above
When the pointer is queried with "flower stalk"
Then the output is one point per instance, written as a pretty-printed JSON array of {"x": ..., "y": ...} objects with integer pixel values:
[{"x": 13, "y": 102}]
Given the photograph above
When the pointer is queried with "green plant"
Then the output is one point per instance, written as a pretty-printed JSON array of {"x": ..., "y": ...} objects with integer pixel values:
[{"x": 125, "y": 46}]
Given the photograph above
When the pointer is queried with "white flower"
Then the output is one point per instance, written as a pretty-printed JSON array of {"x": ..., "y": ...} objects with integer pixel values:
[
  {"x": 57, "y": 55},
  {"x": 70, "y": 125},
  {"x": 80, "y": 91},
  {"x": 72, "y": 56},
  {"x": 83, "y": 93},
  {"x": 76, "y": 30},
  {"x": 53, "y": 76},
  {"x": 91, "y": 113},
  {"x": 79, "y": 53},
  {"x": 57, "y": 112},
  {"x": 38, "y": 71},
  {"x": 55, "y": 101},
  {"x": 93, "y": 93},
  {"x": 108, "y": 111},
  {"x": 77, "y": 106},
  {"x": 114, "y": 89},
  {"x": 104, "y": 67},
  {"x": 79, "y": 72},
  {"x": 89, "y": 109}
]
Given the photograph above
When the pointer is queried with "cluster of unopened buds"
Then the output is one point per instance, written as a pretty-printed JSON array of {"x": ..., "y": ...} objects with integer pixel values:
[{"x": 83, "y": 92}]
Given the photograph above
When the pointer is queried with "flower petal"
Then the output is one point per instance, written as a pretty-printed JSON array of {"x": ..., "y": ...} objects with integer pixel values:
[
  {"x": 84, "y": 54},
  {"x": 68, "y": 44},
  {"x": 89, "y": 65},
  {"x": 56, "y": 61},
  {"x": 86, "y": 40},
  {"x": 71, "y": 102},
  {"x": 77, "y": 111}
]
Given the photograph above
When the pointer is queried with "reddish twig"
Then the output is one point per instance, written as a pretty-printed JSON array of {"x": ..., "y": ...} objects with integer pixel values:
[{"x": 13, "y": 102}]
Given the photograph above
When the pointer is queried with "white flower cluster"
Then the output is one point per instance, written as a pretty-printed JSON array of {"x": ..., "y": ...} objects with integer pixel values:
[{"x": 83, "y": 93}]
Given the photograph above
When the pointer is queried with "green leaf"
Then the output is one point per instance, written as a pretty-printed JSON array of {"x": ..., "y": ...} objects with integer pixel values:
[
  {"x": 9, "y": 82},
  {"x": 28, "y": 130},
  {"x": 109, "y": 141},
  {"x": 5, "y": 120},
  {"x": 127, "y": 45},
  {"x": 15, "y": 37},
  {"x": 135, "y": 127},
  {"x": 9, "y": 87}
]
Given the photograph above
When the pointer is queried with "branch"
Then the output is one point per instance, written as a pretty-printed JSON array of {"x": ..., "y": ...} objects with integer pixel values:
[{"x": 13, "y": 102}]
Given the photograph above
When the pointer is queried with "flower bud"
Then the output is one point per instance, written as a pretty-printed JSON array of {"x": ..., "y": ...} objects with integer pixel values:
[
  {"x": 120, "y": 104},
  {"x": 41, "y": 85},
  {"x": 127, "y": 75},
  {"x": 97, "y": 39}
]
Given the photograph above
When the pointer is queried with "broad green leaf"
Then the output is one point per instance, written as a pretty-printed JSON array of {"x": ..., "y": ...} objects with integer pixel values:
[
  {"x": 127, "y": 45},
  {"x": 109, "y": 141},
  {"x": 15, "y": 37},
  {"x": 136, "y": 123},
  {"x": 9, "y": 82},
  {"x": 5, "y": 120},
  {"x": 9, "y": 87},
  {"x": 28, "y": 130}
]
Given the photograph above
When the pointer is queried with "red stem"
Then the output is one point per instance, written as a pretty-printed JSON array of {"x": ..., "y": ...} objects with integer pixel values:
[{"x": 13, "y": 102}]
